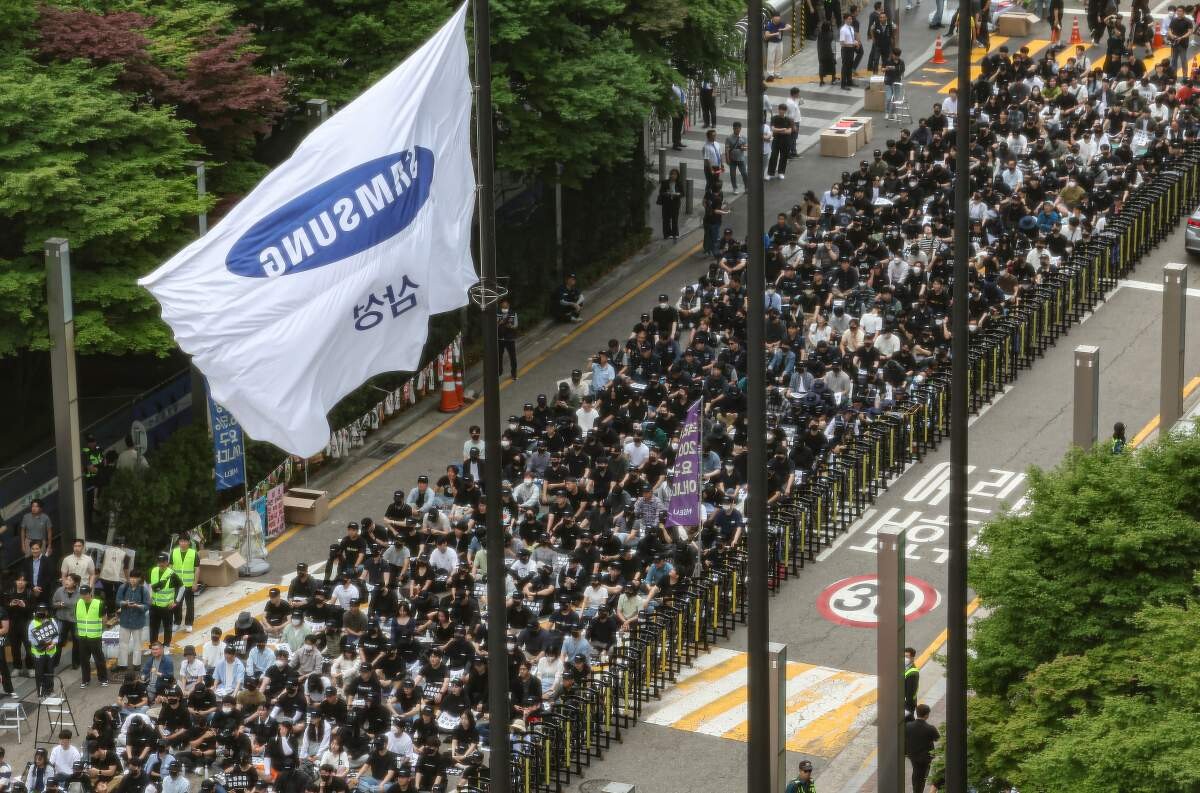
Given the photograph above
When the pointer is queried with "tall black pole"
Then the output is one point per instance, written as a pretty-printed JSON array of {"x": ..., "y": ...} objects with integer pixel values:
[
  {"x": 956, "y": 600},
  {"x": 759, "y": 754},
  {"x": 499, "y": 768}
]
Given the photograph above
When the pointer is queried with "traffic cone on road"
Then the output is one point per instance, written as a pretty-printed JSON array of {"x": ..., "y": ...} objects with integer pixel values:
[
  {"x": 1075, "y": 37},
  {"x": 450, "y": 401},
  {"x": 938, "y": 57},
  {"x": 1158, "y": 42},
  {"x": 459, "y": 389}
]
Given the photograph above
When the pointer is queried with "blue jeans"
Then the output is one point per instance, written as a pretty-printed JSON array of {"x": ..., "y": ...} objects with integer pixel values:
[
  {"x": 937, "y": 17},
  {"x": 734, "y": 167},
  {"x": 712, "y": 234},
  {"x": 889, "y": 99},
  {"x": 1179, "y": 59},
  {"x": 368, "y": 784}
]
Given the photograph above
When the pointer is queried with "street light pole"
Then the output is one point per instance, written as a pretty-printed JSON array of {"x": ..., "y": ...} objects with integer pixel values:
[
  {"x": 956, "y": 596},
  {"x": 487, "y": 294},
  {"x": 759, "y": 748}
]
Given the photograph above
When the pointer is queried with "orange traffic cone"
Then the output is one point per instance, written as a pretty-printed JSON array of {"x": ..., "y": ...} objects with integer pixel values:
[
  {"x": 450, "y": 401},
  {"x": 1055, "y": 34},
  {"x": 938, "y": 57},
  {"x": 1158, "y": 42},
  {"x": 458, "y": 377},
  {"x": 1075, "y": 37}
]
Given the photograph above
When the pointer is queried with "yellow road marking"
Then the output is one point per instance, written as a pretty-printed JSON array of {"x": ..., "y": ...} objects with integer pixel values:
[
  {"x": 826, "y": 736},
  {"x": 692, "y": 721}
]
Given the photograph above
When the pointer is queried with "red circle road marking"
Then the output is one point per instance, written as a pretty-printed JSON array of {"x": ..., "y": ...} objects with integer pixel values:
[{"x": 840, "y": 600}]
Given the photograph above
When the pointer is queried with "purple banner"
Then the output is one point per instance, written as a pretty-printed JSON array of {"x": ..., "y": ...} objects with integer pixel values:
[{"x": 684, "y": 509}]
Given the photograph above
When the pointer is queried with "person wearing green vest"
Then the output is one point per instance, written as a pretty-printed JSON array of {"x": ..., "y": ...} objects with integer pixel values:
[
  {"x": 163, "y": 585},
  {"x": 912, "y": 681},
  {"x": 89, "y": 632},
  {"x": 183, "y": 562},
  {"x": 802, "y": 783},
  {"x": 43, "y": 634}
]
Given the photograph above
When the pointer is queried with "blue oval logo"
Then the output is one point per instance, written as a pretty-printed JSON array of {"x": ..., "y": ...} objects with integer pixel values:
[{"x": 338, "y": 218}]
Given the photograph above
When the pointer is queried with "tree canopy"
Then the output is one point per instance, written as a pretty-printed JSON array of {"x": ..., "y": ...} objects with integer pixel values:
[{"x": 1084, "y": 669}]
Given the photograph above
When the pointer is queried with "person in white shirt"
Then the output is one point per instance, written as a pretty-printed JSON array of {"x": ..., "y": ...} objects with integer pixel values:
[
  {"x": 872, "y": 322},
  {"x": 344, "y": 592},
  {"x": 474, "y": 442},
  {"x": 527, "y": 494},
  {"x": 213, "y": 652},
  {"x": 443, "y": 558},
  {"x": 950, "y": 104},
  {"x": 400, "y": 743},
  {"x": 636, "y": 451},
  {"x": 713, "y": 160},
  {"x": 191, "y": 670},
  {"x": 596, "y": 594},
  {"x": 887, "y": 343},
  {"x": 64, "y": 756},
  {"x": 586, "y": 415},
  {"x": 794, "y": 115},
  {"x": 848, "y": 39}
]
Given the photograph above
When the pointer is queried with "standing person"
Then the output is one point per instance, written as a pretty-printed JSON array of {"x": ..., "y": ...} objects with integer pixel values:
[
  {"x": 826, "y": 60},
  {"x": 133, "y": 607},
  {"x": 883, "y": 35},
  {"x": 43, "y": 636},
  {"x": 812, "y": 18},
  {"x": 893, "y": 74},
  {"x": 506, "y": 334},
  {"x": 89, "y": 637},
  {"x": 714, "y": 211},
  {"x": 793, "y": 112},
  {"x": 6, "y": 628},
  {"x": 735, "y": 155},
  {"x": 803, "y": 781},
  {"x": 938, "y": 10},
  {"x": 1054, "y": 16},
  {"x": 874, "y": 59},
  {"x": 920, "y": 738},
  {"x": 20, "y": 603},
  {"x": 1118, "y": 438},
  {"x": 80, "y": 564},
  {"x": 912, "y": 681},
  {"x": 39, "y": 572},
  {"x": 773, "y": 32},
  {"x": 678, "y": 112},
  {"x": 670, "y": 196},
  {"x": 708, "y": 102},
  {"x": 848, "y": 39},
  {"x": 63, "y": 601},
  {"x": 1179, "y": 32},
  {"x": 781, "y": 139},
  {"x": 36, "y": 525},
  {"x": 163, "y": 584},
  {"x": 183, "y": 563},
  {"x": 713, "y": 160}
]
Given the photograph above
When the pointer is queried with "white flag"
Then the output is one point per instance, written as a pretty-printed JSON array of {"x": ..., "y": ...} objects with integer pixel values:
[{"x": 327, "y": 273}]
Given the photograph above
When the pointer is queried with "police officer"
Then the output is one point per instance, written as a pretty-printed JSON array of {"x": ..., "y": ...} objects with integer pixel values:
[
  {"x": 183, "y": 562},
  {"x": 802, "y": 782},
  {"x": 912, "y": 681},
  {"x": 43, "y": 643},
  {"x": 163, "y": 584},
  {"x": 506, "y": 332},
  {"x": 89, "y": 632}
]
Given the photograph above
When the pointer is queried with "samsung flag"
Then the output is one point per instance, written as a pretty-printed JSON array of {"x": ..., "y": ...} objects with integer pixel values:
[{"x": 326, "y": 274}]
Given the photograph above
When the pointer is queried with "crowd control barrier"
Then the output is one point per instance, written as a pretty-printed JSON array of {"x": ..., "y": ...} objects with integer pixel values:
[{"x": 702, "y": 611}]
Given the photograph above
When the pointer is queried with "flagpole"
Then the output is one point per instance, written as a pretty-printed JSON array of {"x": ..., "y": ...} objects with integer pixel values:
[{"x": 487, "y": 295}]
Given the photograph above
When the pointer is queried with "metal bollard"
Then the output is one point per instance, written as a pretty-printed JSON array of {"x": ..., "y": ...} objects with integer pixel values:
[
  {"x": 662, "y": 164},
  {"x": 683, "y": 176},
  {"x": 687, "y": 197}
]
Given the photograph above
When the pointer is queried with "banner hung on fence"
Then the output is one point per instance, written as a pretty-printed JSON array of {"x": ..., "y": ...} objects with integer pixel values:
[
  {"x": 684, "y": 509},
  {"x": 229, "y": 452}
]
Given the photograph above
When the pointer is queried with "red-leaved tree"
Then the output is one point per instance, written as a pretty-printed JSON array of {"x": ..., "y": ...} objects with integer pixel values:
[{"x": 103, "y": 39}]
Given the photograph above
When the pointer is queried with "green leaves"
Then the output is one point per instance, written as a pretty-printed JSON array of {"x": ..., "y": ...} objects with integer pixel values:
[{"x": 1085, "y": 666}]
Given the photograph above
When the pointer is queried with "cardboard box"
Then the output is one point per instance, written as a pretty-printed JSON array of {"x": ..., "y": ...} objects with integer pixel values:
[
  {"x": 307, "y": 507},
  {"x": 839, "y": 142},
  {"x": 874, "y": 98},
  {"x": 219, "y": 572},
  {"x": 1015, "y": 24},
  {"x": 868, "y": 128}
]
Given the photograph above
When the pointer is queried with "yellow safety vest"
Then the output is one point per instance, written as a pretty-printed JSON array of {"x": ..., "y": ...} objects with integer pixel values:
[
  {"x": 184, "y": 566},
  {"x": 165, "y": 597},
  {"x": 89, "y": 621}
]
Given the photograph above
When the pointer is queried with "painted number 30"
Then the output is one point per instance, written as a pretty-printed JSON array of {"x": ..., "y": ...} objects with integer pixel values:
[{"x": 855, "y": 601}]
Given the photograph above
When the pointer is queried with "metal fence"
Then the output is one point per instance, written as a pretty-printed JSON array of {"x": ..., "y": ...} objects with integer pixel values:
[{"x": 704, "y": 610}]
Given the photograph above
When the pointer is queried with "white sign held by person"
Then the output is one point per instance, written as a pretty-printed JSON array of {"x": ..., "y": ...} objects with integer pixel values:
[{"x": 327, "y": 273}]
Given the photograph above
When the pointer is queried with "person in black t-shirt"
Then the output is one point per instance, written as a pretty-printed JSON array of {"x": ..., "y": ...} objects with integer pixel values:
[{"x": 431, "y": 766}]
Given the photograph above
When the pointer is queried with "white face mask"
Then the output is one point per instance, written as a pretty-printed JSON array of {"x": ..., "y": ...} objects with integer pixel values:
[
  {"x": 227, "y": 709},
  {"x": 281, "y": 664}
]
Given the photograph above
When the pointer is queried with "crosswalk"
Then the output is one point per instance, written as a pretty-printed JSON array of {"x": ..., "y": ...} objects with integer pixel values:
[
  {"x": 826, "y": 707},
  {"x": 1092, "y": 50},
  {"x": 821, "y": 107}
]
